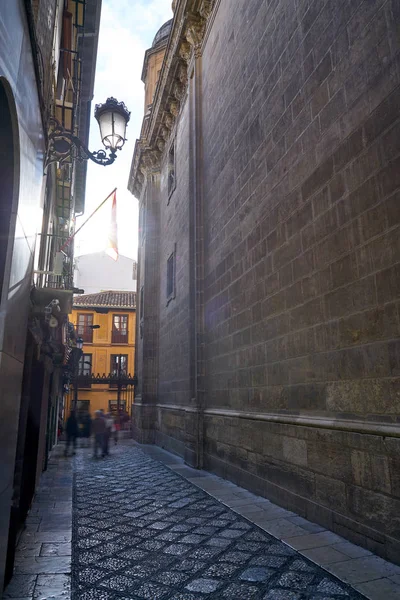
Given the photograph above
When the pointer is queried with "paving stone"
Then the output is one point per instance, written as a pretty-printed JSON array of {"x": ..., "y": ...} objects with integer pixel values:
[
  {"x": 56, "y": 550},
  {"x": 307, "y": 525},
  {"x": 268, "y": 561},
  {"x": 223, "y": 570},
  {"x": 295, "y": 580},
  {"x": 152, "y": 591},
  {"x": 43, "y": 564},
  {"x": 281, "y": 595},
  {"x": 325, "y": 555},
  {"x": 171, "y": 577},
  {"x": 205, "y": 586},
  {"x": 365, "y": 569},
  {"x": 315, "y": 540},
  {"x": 29, "y": 549},
  {"x": 256, "y": 574},
  {"x": 327, "y": 586},
  {"x": 380, "y": 589},
  {"x": 119, "y": 583},
  {"x": 49, "y": 586},
  {"x": 90, "y": 575},
  {"x": 241, "y": 592},
  {"x": 21, "y": 585},
  {"x": 351, "y": 550}
]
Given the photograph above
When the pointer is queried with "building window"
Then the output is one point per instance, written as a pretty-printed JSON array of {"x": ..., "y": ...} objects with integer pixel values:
[
  {"x": 171, "y": 170},
  {"x": 84, "y": 327},
  {"x": 119, "y": 333},
  {"x": 85, "y": 371},
  {"x": 119, "y": 366},
  {"x": 171, "y": 277},
  {"x": 113, "y": 406},
  {"x": 83, "y": 406}
]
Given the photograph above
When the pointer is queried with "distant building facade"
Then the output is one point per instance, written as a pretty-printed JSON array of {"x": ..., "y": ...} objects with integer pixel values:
[
  {"x": 108, "y": 349},
  {"x": 97, "y": 272},
  {"x": 269, "y": 259}
]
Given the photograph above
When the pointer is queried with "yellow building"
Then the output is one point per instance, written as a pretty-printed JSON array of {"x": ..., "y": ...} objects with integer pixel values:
[{"x": 106, "y": 323}]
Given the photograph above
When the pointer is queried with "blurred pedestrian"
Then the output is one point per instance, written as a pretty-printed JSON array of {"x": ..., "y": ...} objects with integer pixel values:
[
  {"x": 72, "y": 430},
  {"x": 99, "y": 430},
  {"x": 86, "y": 430},
  {"x": 109, "y": 430},
  {"x": 117, "y": 428}
]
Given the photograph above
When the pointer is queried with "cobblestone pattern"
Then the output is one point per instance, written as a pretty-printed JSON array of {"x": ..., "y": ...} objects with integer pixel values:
[{"x": 140, "y": 531}]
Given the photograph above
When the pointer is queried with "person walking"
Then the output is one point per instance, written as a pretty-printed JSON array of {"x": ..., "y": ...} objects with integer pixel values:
[
  {"x": 117, "y": 428},
  {"x": 86, "y": 429},
  {"x": 109, "y": 430},
  {"x": 72, "y": 430},
  {"x": 99, "y": 431}
]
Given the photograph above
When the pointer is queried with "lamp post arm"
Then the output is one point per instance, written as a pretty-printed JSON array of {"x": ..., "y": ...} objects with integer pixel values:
[{"x": 82, "y": 152}]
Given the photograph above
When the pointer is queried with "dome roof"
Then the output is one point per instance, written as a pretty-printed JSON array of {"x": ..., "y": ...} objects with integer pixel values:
[{"x": 162, "y": 34}]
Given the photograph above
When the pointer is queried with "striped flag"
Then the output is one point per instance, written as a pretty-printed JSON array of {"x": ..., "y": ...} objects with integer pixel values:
[{"x": 112, "y": 244}]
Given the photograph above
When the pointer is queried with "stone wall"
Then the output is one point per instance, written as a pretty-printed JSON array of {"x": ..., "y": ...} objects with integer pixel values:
[
  {"x": 174, "y": 313},
  {"x": 299, "y": 205},
  {"x": 302, "y": 198}
]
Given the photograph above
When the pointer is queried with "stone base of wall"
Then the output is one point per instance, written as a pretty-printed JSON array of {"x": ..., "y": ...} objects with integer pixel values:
[
  {"x": 169, "y": 443},
  {"x": 344, "y": 480},
  {"x": 382, "y": 545},
  {"x": 143, "y": 420}
]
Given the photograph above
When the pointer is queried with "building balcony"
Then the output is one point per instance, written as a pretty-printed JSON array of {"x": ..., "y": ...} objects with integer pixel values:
[
  {"x": 53, "y": 278},
  {"x": 119, "y": 336}
]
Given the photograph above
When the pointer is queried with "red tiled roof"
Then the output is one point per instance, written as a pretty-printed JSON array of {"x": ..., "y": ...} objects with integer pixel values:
[{"x": 109, "y": 299}]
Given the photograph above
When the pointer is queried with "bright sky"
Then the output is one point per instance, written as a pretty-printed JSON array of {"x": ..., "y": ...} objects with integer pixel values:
[{"x": 127, "y": 29}]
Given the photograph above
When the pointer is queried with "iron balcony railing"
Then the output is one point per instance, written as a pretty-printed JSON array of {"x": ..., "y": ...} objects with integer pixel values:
[
  {"x": 119, "y": 336},
  {"x": 55, "y": 263}
]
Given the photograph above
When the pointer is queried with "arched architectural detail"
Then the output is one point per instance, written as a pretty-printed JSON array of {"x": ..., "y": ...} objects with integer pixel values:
[{"x": 9, "y": 173}]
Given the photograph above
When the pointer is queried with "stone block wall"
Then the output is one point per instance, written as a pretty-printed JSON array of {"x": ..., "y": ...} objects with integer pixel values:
[
  {"x": 299, "y": 127},
  {"x": 174, "y": 377},
  {"x": 302, "y": 210}
]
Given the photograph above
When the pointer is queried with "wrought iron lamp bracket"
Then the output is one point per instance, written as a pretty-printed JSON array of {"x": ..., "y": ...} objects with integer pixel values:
[{"x": 64, "y": 145}]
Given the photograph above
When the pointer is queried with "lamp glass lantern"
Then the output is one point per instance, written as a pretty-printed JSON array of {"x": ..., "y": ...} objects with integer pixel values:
[
  {"x": 112, "y": 117},
  {"x": 79, "y": 343}
]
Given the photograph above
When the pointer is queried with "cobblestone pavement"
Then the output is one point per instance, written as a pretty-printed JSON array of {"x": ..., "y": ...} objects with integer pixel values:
[{"x": 140, "y": 531}]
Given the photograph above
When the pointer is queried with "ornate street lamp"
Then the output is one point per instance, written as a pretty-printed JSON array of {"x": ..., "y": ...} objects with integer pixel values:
[{"x": 112, "y": 117}]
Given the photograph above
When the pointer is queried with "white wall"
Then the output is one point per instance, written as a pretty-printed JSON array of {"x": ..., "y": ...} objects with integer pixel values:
[{"x": 98, "y": 272}]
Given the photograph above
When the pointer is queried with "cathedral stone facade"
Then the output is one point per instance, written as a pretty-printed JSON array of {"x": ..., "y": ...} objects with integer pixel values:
[{"x": 268, "y": 175}]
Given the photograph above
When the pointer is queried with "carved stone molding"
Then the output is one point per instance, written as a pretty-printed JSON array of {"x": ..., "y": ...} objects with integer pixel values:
[
  {"x": 182, "y": 73},
  {"x": 174, "y": 108},
  {"x": 164, "y": 132},
  {"x": 185, "y": 52},
  {"x": 151, "y": 159},
  {"x": 206, "y": 7},
  {"x": 169, "y": 120},
  {"x": 195, "y": 31},
  {"x": 186, "y": 38},
  {"x": 179, "y": 91}
]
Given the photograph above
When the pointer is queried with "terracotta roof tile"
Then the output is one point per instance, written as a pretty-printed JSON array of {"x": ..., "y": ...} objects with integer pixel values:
[{"x": 109, "y": 299}]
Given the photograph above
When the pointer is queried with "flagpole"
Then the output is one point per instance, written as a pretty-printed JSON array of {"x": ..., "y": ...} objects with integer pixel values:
[{"x": 69, "y": 240}]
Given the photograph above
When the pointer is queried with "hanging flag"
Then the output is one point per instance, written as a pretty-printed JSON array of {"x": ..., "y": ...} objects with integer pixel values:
[{"x": 112, "y": 245}]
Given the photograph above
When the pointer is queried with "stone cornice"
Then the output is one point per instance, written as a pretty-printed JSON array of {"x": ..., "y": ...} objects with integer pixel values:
[{"x": 186, "y": 38}]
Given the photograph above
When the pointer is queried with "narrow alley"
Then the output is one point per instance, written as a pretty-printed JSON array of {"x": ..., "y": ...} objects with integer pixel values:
[{"x": 141, "y": 529}]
